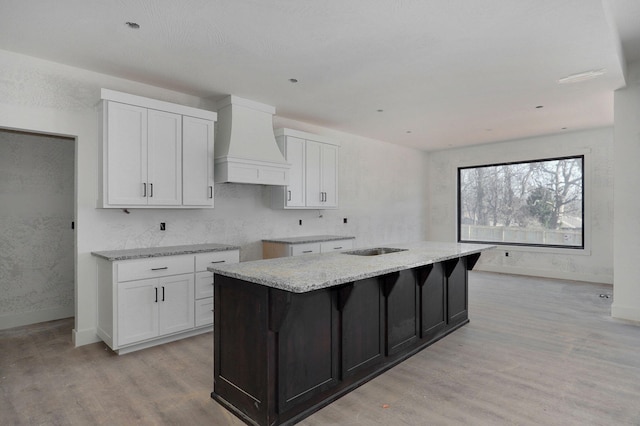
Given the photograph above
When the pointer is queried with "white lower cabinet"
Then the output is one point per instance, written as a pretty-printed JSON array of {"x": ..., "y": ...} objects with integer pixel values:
[
  {"x": 154, "y": 307},
  {"x": 274, "y": 249},
  {"x": 146, "y": 302}
]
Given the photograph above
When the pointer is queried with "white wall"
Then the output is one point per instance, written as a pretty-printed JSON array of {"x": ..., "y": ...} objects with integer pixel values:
[
  {"x": 36, "y": 239},
  {"x": 381, "y": 185},
  {"x": 595, "y": 263},
  {"x": 626, "y": 295}
]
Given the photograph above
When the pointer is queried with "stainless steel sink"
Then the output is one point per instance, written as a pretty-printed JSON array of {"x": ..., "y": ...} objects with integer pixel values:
[{"x": 373, "y": 251}]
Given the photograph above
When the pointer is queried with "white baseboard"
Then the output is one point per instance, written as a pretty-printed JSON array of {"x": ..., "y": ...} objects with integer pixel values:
[
  {"x": 625, "y": 312},
  {"x": 27, "y": 318},
  {"x": 84, "y": 337},
  {"x": 556, "y": 274}
]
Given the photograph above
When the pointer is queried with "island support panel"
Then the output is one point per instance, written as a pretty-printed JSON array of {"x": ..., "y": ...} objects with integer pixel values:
[{"x": 280, "y": 356}]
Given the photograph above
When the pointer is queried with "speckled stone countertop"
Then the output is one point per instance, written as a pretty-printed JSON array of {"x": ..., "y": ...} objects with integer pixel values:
[
  {"x": 308, "y": 239},
  {"x": 142, "y": 253},
  {"x": 300, "y": 274}
]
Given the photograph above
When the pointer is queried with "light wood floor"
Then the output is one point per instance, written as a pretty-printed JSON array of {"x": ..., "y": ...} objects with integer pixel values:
[{"x": 536, "y": 352}]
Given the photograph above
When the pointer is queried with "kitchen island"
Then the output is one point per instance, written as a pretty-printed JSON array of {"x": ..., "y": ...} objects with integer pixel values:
[{"x": 293, "y": 334}]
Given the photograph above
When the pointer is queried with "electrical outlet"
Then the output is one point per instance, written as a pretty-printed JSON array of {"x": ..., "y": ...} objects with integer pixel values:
[
  {"x": 163, "y": 226},
  {"x": 506, "y": 254},
  {"x": 344, "y": 220}
]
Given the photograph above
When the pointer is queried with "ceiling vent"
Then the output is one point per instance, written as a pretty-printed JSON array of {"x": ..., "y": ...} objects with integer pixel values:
[{"x": 245, "y": 148}]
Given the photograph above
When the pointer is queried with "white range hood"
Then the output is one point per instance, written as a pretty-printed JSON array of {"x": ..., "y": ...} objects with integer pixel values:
[{"x": 245, "y": 147}]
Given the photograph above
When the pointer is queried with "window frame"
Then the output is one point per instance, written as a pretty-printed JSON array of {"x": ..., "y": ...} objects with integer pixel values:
[{"x": 585, "y": 218}]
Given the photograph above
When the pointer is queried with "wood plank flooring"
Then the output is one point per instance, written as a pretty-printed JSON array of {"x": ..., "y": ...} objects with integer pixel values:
[{"x": 537, "y": 351}]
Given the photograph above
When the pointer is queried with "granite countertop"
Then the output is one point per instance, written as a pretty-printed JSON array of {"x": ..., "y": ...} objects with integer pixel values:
[
  {"x": 300, "y": 274},
  {"x": 142, "y": 253},
  {"x": 308, "y": 239}
]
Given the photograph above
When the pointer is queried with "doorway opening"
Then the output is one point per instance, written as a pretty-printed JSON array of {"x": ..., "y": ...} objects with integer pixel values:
[{"x": 37, "y": 235}]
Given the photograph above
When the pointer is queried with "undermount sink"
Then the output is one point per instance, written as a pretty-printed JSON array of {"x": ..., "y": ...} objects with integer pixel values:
[{"x": 374, "y": 251}]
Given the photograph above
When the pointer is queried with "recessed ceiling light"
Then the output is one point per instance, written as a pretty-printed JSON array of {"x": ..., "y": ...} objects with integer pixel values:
[
  {"x": 564, "y": 128},
  {"x": 133, "y": 25},
  {"x": 409, "y": 131},
  {"x": 583, "y": 76},
  {"x": 293, "y": 80},
  {"x": 380, "y": 110}
]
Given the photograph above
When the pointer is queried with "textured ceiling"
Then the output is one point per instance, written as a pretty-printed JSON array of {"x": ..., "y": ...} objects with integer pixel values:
[{"x": 445, "y": 73}]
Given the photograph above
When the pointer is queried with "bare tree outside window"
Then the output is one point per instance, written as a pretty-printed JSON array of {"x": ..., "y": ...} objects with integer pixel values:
[{"x": 536, "y": 203}]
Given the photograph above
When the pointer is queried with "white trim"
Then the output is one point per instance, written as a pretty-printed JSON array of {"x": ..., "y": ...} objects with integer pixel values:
[
  {"x": 126, "y": 98},
  {"x": 304, "y": 135},
  {"x": 546, "y": 273},
  {"x": 247, "y": 103},
  {"x": 34, "y": 317},
  {"x": 625, "y": 312},
  {"x": 84, "y": 337}
]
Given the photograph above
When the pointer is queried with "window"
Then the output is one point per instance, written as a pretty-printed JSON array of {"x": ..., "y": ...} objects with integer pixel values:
[{"x": 535, "y": 203}]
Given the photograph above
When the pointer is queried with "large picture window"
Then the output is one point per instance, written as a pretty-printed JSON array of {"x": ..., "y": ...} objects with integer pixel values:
[{"x": 534, "y": 203}]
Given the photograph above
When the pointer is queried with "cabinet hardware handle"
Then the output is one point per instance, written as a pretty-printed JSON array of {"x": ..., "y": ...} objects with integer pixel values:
[
  {"x": 219, "y": 261},
  {"x": 159, "y": 269},
  {"x": 337, "y": 248},
  {"x": 151, "y": 191},
  {"x": 156, "y": 294},
  {"x": 163, "y": 293},
  {"x": 308, "y": 251},
  {"x": 288, "y": 195},
  {"x": 144, "y": 189},
  {"x": 210, "y": 191}
]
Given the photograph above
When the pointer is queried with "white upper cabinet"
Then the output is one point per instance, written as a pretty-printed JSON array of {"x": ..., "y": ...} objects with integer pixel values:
[
  {"x": 313, "y": 177},
  {"x": 197, "y": 153},
  {"x": 164, "y": 158},
  {"x": 154, "y": 154}
]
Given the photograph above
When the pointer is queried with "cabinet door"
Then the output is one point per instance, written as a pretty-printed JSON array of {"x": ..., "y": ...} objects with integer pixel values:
[
  {"x": 313, "y": 184},
  {"x": 126, "y": 154},
  {"x": 307, "y": 348},
  {"x": 164, "y": 148},
  {"x": 295, "y": 155},
  {"x": 137, "y": 311},
  {"x": 197, "y": 158},
  {"x": 361, "y": 333},
  {"x": 456, "y": 291},
  {"x": 433, "y": 298},
  {"x": 402, "y": 310},
  {"x": 329, "y": 175},
  {"x": 176, "y": 303}
]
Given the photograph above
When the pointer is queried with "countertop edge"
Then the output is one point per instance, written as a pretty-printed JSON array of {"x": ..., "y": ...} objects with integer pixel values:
[
  {"x": 345, "y": 279},
  {"x": 308, "y": 239},
  {"x": 150, "y": 252}
]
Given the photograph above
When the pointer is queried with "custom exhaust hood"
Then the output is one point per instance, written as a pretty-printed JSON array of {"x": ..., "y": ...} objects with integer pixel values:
[{"x": 245, "y": 147}]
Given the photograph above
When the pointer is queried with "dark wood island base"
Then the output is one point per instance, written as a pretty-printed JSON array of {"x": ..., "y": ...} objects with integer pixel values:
[{"x": 279, "y": 356}]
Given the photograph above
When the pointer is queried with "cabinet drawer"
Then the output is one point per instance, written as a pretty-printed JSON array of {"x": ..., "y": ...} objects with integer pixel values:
[
  {"x": 204, "y": 284},
  {"x": 309, "y": 248},
  {"x": 154, "y": 267},
  {"x": 204, "y": 311},
  {"x": 204, "y": 260},
  {"x": 337, "y": 245}
]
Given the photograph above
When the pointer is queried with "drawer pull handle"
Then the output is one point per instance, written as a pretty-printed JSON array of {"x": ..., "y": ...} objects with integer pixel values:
[
  {"x": 163, "y": 293},
  {"x": 156, "y": 294},
  {"x": 210, "y": 191},
  {"x": 308, "y": 251},
  {"x": 219, "y": 261},
  {"x": 337, "y": 248},
  {"x": 160, "y": 269}
]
